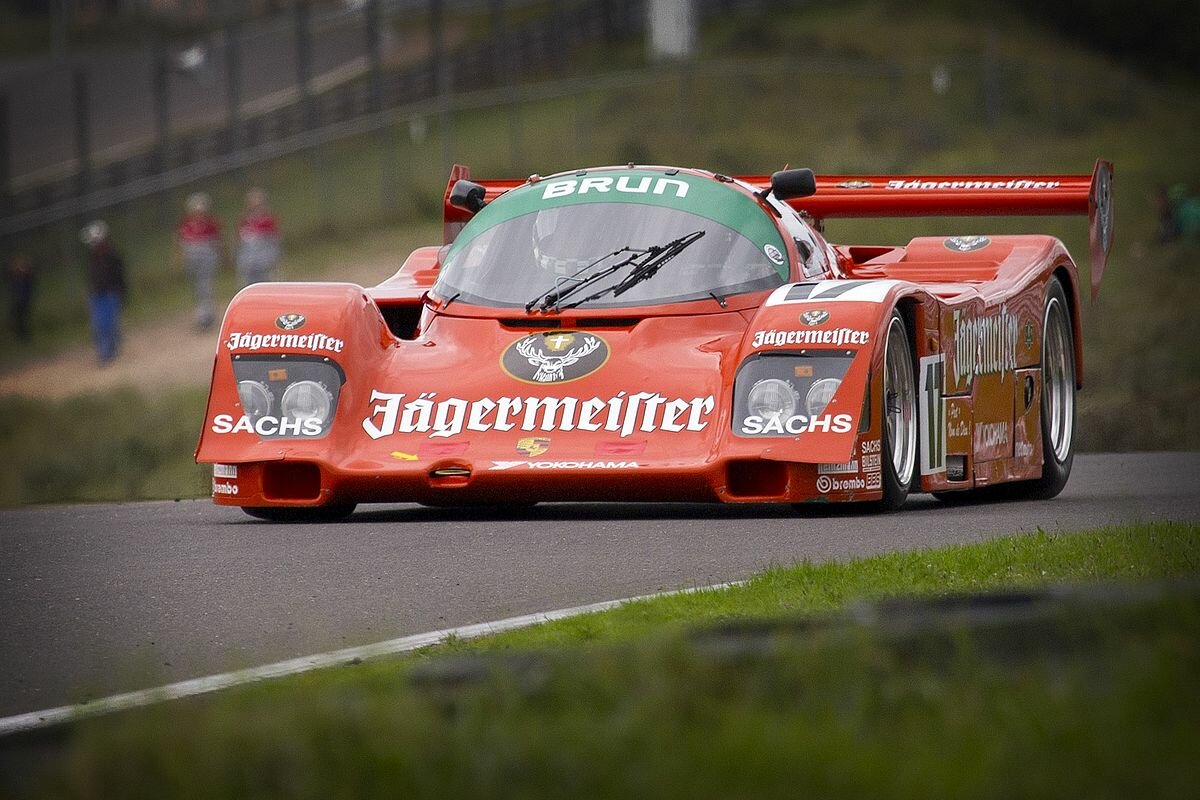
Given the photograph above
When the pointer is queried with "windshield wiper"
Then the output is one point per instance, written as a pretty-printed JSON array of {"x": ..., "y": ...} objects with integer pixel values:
[
  {"x": 554, "y": 295},
  {"x": 656, "y": 257}
]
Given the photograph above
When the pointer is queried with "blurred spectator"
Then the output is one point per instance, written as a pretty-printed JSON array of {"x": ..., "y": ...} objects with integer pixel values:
[
  {"x": 1178, "y": 214},
  {"x": 258, "y": 240},
  {"x": 201, "y": 252},
  {"x": 19, "y": 275},
  {"x": 1187, "y": 213},
  {"x": 106, "y": 289},
  {"x": 1168, "y": 226}
]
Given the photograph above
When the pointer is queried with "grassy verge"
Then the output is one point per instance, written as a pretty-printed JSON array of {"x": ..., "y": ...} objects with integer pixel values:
[
  {"x": 1086, "y": 701},
  {"x": 118, "y": 446}
]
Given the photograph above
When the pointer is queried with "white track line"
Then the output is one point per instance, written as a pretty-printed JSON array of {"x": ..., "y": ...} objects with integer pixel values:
[{"x": 212, "y": 683}]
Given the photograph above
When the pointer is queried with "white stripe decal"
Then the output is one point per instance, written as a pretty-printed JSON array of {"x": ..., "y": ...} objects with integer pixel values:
[
  {"x": 867, "y": 291},
  {"x": 212, "y": 683}
]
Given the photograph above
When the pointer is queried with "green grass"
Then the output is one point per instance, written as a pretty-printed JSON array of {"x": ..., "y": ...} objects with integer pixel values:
[
  {"x": 116, "y": 446},
  {"x": 652, "y": 700}
]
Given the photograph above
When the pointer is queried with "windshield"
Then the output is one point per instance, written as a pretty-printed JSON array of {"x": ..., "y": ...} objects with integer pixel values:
[{"x": 540, "y": 240}]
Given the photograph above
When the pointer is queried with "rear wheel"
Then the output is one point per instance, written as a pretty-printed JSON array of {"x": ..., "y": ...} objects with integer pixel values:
[
  {"x": 1058, "y": 397},
  {"x": 899, "y": 409},
  {"x": 300, "y": 514}
]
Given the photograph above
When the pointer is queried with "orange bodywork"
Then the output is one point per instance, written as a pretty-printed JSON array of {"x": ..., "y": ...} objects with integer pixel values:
[{"x": 428, "y": 412}]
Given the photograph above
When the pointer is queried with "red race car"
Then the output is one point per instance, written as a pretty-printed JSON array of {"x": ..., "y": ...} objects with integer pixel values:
[{"x": 654, "y": 333}]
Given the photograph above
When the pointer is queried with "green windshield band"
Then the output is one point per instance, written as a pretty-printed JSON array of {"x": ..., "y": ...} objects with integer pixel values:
[{"x": 703, "y": 197}]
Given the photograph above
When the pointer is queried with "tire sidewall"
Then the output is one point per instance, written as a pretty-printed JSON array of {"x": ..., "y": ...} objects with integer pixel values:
[
  {"x": 894, "y": 492},
  {"x": 1055, "y": 472}
]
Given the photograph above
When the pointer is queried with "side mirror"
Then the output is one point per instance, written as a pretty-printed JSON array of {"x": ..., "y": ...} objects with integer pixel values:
[
  {"x": 789, "y": 183},
  {"x": 468, "y": 195}
]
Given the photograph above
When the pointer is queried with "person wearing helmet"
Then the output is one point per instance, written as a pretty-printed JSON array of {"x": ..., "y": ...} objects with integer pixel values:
[
  {"x": 258, "y": 240},
  {"x": 200, "y": 250},
  {"x": 106, "y": 288}
]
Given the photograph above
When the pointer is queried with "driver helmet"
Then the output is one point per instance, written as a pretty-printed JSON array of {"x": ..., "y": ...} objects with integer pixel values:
[{"x": 552, "y": 243}]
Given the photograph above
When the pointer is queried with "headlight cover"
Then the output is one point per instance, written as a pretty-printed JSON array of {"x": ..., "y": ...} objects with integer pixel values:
[
  {"x": 819, "y": 395},
  {"x": 768, "y": 388},
  {"x": 307, "y": 400},
  {"x": 256, "y": 398},
  {"x": 772, "y": 397},
  {"x": 288, "y": 396}
]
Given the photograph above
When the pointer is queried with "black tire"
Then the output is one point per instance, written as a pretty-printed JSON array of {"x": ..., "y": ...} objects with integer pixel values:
[
  {"x": 896, "y": 485},
  {"x": 330, "y": 513},
  {"x": 1058, "y": 367}
]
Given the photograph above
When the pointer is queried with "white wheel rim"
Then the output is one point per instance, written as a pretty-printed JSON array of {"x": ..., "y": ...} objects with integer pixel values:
[
  {"x": 1058, "y": 380},
  {"x": 900, "y": 403}
]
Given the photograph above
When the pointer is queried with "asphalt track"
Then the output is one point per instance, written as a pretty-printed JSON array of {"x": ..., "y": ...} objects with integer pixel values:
[{"x": 101, "y": 599}]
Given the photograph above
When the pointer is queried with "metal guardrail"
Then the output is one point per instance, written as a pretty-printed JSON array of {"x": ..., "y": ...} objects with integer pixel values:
[{"x": 312, "y": 114}]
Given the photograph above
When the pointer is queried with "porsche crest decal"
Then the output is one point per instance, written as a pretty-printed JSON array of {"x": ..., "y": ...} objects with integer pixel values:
[
  {"x": 555, "y": 356},
  {"x": 289, "y": 322},
  {"x": 965, "y": 244},
  {"x": 814, "y": 316},
  {"x": 533, "y": 445}
]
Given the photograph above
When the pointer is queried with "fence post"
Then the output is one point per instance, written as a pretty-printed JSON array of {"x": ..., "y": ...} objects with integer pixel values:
[
  {"x": 372, "y": 21},
  {"x": 233, "y": 84},
  {"x": 83, "y": 139},
  {"x": 5, "y": 156},
  {"x": 507, "y": 76},
  {"x": 440, "y": 65},
  {"x": 161, "y": 102},
  {"x": 303, "y": 18}
]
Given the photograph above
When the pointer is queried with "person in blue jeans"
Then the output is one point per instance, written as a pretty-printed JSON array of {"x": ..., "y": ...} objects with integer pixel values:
[{"x": 106, "y": 289}]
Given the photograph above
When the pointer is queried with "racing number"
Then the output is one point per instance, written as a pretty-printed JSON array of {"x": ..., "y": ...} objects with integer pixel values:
[{"x": 933, "y": 414}]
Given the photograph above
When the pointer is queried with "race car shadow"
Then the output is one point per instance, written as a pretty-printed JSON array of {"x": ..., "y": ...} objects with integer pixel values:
[{"x": 566, "y": 512}]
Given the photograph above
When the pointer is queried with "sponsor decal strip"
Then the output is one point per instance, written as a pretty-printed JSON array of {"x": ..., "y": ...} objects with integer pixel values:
[
  {"x": 336, "y": 658},
  {"x": 624, "y": 414},
  {"x": 267, "y": 426},
  {"x": 312, "y": 342},
  {"x": 984, "y": 345},
  {"x": 502, "y": 465},
  {"x": 624, "y": 184},
  {"x": 834, "y": 336},
  {"x": 754, "y": 425},
  {"x": 1014, "y": 183}
]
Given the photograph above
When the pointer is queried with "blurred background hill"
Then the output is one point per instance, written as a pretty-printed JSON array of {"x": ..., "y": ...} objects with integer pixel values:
[{"x": 350, "y": 113}]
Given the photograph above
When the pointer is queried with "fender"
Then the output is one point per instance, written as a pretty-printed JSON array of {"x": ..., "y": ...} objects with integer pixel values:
[
  {"x": 337, "y": 321},
  {"x": 838, "y": 316}
]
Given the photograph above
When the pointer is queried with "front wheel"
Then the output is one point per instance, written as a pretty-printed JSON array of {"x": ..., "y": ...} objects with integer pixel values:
[
  {"x": 330, "y": 513},
  {"x": 899, "y": 409}
]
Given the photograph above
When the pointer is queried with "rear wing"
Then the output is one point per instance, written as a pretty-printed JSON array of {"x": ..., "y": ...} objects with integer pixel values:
[
  {"x": 968, "y": 195},
  {"x": 918, "y": 196}
]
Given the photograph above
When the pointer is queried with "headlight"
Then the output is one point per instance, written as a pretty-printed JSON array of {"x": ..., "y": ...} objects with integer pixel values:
[
  {"x": 772, "y": 397},
  {"x": 256, "y": 398},
  {"x": 819, "y": 395},
  {"x": 307, "y": 400}
]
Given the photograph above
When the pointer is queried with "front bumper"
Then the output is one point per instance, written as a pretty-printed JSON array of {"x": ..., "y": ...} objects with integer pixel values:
[{"x": 453, "y": 481}]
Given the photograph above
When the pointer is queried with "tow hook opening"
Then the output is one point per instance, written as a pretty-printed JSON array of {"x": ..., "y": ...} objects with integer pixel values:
[{"x": 449, "y": 475}]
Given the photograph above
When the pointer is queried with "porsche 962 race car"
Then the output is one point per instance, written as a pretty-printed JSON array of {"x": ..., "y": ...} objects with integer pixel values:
[{"x": 654, "y": 333}]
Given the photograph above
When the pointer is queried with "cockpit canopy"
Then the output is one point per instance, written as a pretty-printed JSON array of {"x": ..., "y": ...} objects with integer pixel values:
[{"x": 599, "y": 237}]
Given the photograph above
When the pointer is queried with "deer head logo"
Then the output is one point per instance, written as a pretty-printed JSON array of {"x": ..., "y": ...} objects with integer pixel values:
[{"x": 551, "y": 368}]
